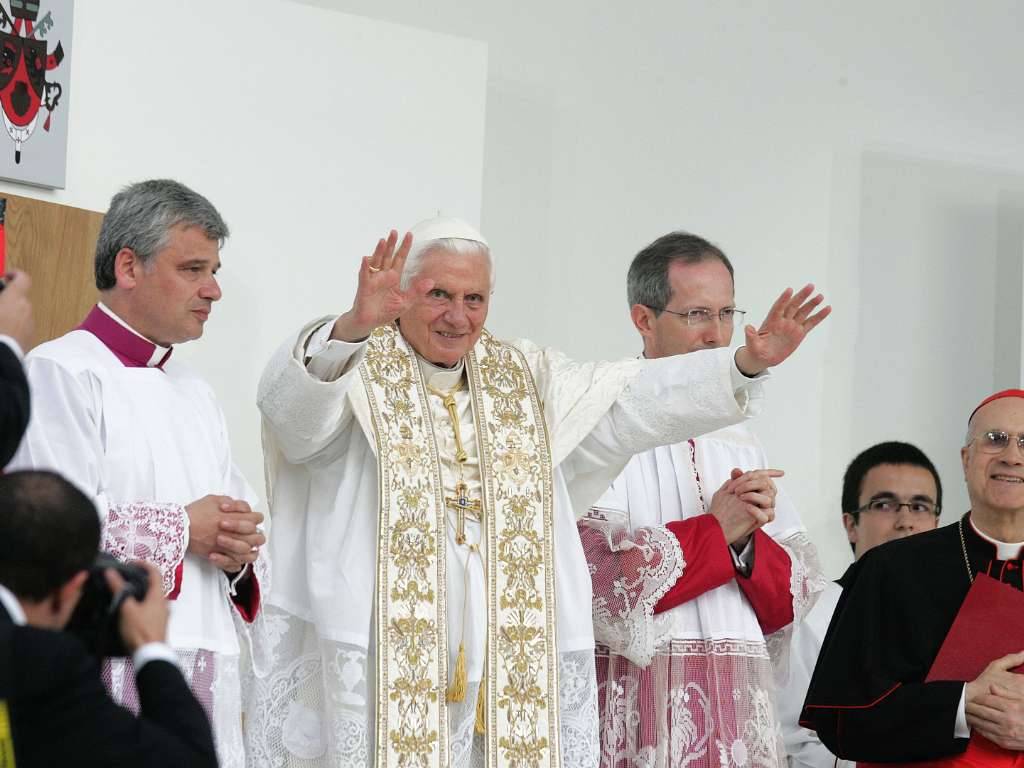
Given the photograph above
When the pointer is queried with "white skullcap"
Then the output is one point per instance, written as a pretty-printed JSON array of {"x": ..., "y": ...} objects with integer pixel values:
[{"x": 442, "y": 227}]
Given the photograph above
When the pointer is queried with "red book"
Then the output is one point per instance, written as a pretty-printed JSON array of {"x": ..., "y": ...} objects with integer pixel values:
[{"x": 989, "y": 625}]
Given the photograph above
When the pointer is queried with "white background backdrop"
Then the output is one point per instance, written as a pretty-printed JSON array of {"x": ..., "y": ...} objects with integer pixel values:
[
  {"x": 312, "y": 132},
  {"x": 872, "y": 148}
]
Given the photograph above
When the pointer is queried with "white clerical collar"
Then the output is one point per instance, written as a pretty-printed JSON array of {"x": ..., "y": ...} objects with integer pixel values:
[
  {"x": 441, "y": 378},
  {"x": 12, "y": 606},
  {"x": 1004, "y": 550},
  {"x": 159, "y": 353}
]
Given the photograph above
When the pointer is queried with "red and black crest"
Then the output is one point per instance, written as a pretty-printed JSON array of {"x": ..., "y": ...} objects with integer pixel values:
[{"x": 24, "y": 63}]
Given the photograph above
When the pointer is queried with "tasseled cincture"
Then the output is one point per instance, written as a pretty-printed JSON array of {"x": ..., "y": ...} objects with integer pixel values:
[
  {"x": 481, "y": 709},
  {"x": 457, "y": 689}
]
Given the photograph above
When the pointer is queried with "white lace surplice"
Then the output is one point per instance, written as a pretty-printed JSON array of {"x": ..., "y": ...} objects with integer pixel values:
[
  {"x": 313, "y": 699},
  {"x": 142, "y": 443},
  {"x": 693, "y": 685}
]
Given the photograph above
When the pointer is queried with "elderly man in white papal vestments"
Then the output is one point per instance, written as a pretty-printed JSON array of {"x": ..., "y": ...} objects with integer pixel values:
[{"x": 432, "y": 601}]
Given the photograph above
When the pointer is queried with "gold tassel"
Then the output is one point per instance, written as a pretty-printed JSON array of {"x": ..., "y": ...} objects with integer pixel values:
[
  {"x": 457, "y": 690},
  {"x": 481, "y": 709}
]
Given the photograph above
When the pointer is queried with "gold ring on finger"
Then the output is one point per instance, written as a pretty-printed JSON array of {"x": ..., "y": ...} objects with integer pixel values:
[{"x": 375, "y": 270}]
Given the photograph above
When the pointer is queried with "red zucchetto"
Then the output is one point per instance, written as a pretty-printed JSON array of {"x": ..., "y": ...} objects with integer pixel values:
[{"x": 996, "y": 396}]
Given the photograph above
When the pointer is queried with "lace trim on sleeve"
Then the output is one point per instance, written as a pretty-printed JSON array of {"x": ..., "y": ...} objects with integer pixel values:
[
  {"x": 630, "y": 573},
  {"x": 158, "y": 533},
  {"x": 807, "y": 581}
]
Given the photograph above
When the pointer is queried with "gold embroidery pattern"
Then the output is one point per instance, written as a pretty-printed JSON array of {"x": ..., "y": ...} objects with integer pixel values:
[
  {"x": 504, "y": 381},
  {"x": 412, "y": 721},
  {"x": 522, "y": 706}
]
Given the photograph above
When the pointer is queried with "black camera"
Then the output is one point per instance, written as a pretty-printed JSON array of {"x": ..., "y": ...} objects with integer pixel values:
[{"x": 96, "y": 619}]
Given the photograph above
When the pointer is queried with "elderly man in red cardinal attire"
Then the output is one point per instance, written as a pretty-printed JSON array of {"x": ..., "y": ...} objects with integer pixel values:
[{"x": 886, "y": 688}]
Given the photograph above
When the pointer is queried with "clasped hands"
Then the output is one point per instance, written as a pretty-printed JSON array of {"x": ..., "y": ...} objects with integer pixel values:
[
  {"x": 224, "y": 531},
  {"x": 744, "y": 503},
  {"x": 995, "y": 703}
]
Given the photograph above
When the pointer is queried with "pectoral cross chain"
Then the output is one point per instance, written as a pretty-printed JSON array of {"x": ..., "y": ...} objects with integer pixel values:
[
  {"x": 453, "y": 413},
  {"x": 462, "y": 504}
]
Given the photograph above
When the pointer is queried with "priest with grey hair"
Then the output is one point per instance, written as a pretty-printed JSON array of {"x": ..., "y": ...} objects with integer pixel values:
[
  {"x": 432, "y": 601},
  {"x": 116, "y": 412}
]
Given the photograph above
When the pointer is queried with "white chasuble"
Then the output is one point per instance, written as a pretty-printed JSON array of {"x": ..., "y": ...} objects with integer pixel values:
[{"x": 374, "y": 593}]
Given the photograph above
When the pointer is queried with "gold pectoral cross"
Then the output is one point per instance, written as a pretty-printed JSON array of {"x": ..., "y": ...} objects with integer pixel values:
[{"x": 462, "y": 504}]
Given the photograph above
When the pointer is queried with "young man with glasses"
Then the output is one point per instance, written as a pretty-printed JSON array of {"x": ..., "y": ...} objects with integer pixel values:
[
  {"x": 699, "y": 563},
  {"x": 868, "y": 699},
  {"x": 890, "y": 491}
]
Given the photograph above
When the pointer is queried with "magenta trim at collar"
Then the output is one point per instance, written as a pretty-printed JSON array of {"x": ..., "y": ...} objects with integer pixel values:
[{"x": 132, "y": 350}]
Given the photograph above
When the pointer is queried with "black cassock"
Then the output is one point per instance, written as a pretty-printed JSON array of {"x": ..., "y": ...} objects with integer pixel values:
[{"x": 867, "y": 699}]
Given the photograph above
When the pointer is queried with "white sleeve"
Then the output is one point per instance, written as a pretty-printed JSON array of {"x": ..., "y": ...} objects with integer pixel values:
[
  {"x": 961, "y": 730},
  {"x": 672, "y": 399},
  {"x": 64, "y": 429},
  {"x": 64, "y": 435},
  {"x": 153, "y": 652},
  {"x": 744, "y": 559},
  {"x": 304, "y": 400},
  {"x": 328, "y": 358}
]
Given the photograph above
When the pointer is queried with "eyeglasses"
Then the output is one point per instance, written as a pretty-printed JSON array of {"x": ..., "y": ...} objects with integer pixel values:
[
  {"x": 996, "y": 440},
  {"x": 886, "y": 506},
  {"x": 729, "y": 316}
]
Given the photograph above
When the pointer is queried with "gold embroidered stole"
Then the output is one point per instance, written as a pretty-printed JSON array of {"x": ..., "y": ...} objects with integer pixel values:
[{"x": 521, "y": 709}]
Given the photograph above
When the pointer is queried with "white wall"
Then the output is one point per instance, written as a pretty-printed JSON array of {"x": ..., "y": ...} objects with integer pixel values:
[
  {"x": 380, "y": 126},
  {"x": 784, "y": 132},
  {"x": 873, "y": 148}
]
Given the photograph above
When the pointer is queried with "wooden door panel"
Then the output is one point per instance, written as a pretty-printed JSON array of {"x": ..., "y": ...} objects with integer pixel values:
[{"x": 56, "y": 245}]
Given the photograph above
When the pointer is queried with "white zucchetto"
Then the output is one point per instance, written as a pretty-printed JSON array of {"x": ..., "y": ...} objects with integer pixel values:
[{"x": 442, "y": 227}]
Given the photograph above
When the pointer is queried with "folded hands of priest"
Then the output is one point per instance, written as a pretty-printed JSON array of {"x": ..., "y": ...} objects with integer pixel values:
[
  {"x": 744, "y": 503},
  {"x": 225, "y": 531}
]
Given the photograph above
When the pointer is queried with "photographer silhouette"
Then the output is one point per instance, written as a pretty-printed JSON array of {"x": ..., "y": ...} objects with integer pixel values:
[{"x": 53, "y": 708}]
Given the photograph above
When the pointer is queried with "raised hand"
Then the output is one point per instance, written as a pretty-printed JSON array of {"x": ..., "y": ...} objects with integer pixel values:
[
  {"x": 379, "y": 298},
  {"x": 789, "y": 320}
]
